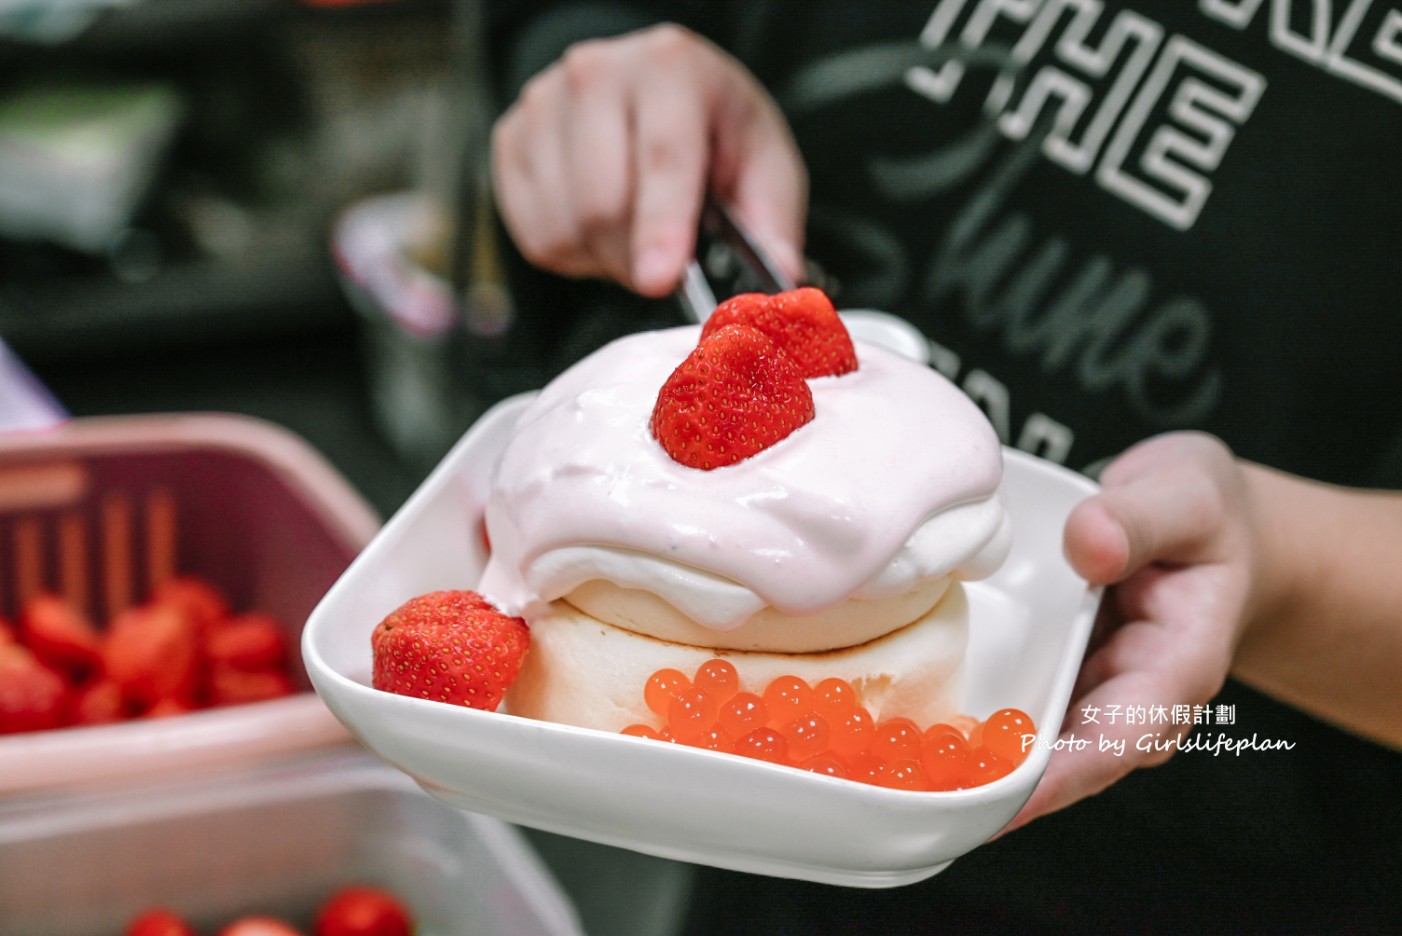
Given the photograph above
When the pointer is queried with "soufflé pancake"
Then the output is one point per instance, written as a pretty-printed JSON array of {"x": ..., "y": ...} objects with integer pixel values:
[{"x": 763, "y": 491}]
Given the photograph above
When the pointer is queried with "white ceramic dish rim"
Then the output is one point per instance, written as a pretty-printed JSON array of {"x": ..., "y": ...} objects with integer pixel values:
[{"x": 848, "y": 849}]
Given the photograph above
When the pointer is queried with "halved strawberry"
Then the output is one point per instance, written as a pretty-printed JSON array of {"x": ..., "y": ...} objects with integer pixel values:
[
  {"x": 248, "y": 641},
  {"x": 152, "y": 652},
  {"x": 232, "y": 685},
  {"x": 802, "y": 322},
  {"x": 450, "y": 646},
  {"x": 736, "y": 395},
  {"x": 200, "y": 600},
  {"x": 60, "y": 634},
  {"x": 169, "y": 707},
  {"x": 98, "y": 702},
  {"x": 33, "y": 697}
]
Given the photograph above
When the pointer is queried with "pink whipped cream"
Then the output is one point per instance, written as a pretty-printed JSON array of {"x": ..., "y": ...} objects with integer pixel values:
[{"x": 894, "y": 482}]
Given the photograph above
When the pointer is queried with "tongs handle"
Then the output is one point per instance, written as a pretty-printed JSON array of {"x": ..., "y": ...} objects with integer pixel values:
[{"x": 718, "y": 226}]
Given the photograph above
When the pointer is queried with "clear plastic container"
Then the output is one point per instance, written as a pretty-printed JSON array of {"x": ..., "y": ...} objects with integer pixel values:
[
  {"x": 271, "y": 839},
  {"x": 97, "y": 509}
]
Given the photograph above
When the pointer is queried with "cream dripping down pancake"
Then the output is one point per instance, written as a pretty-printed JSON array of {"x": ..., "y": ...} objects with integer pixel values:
[{"x": 839, "y": 550}]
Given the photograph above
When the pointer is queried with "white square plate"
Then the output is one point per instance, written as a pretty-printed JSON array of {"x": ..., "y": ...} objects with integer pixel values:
[{"x": 1030, "y": 625}]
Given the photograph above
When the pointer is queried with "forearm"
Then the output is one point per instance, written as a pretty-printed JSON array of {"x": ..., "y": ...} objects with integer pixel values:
[{"x": 1325, "y": 630}]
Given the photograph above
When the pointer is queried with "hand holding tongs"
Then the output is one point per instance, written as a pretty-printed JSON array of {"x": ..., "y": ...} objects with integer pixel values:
[{"x": 722, "y": 243}]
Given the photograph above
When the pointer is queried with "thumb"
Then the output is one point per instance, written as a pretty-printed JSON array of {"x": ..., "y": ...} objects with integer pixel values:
[{"x": 1163, "y": 501}]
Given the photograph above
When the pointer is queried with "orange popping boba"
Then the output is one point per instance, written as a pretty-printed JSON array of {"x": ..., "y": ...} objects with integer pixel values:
[{"x": 824, "y": 730}]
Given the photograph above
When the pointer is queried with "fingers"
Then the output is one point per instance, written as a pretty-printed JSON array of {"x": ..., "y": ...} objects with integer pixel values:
[
  {"x": 601, "y": 166},
  {"x": 1091, "y": 756},
  {"x": 1147, "y": 666},
  {"x": 759, "y": 171},
  {"x": 561, "y": 165},
  {"x": 672, "y": 128},
  {"x": 530, "y": 180},
  {"x": 1170, "y": 530},
  {"x": 1182, "y": 640},
  {"x": 772, "y": 200}
]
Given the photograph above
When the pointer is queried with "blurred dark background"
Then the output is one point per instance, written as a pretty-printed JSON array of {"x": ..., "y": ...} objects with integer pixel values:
[
  {"x": 274, "y": 208},
  {"x": 172, "y": 175}
]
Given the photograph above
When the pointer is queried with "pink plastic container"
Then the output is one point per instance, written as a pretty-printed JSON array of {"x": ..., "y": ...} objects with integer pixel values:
[
  {"x": 276, "y": 838},
  {"x": 99, "y": 509}
]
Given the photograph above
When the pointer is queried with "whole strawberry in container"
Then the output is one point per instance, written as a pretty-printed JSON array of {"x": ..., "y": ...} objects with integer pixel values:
[
  {"x": 363, "y": 910},
  {"x": 33, "y": 696}
]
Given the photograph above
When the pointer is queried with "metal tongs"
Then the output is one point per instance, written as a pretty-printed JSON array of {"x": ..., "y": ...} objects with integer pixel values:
[
  {"x": 725, "y": 253},
  {"x": 728, "y": 256}
]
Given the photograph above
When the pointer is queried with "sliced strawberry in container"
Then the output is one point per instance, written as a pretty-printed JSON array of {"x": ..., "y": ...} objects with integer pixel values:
[
  {"x": 201, "y": 601},
  {"x": 60, "y": 634},
  {"x": 229, "y": 685},
  {"x": 247, "y": 641},
  {"x": 202, "y": 515},
  {"x": 152, "y": 652},
  {"x": 99, "y": 702},
  {"x": 33, "y": 696}
]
